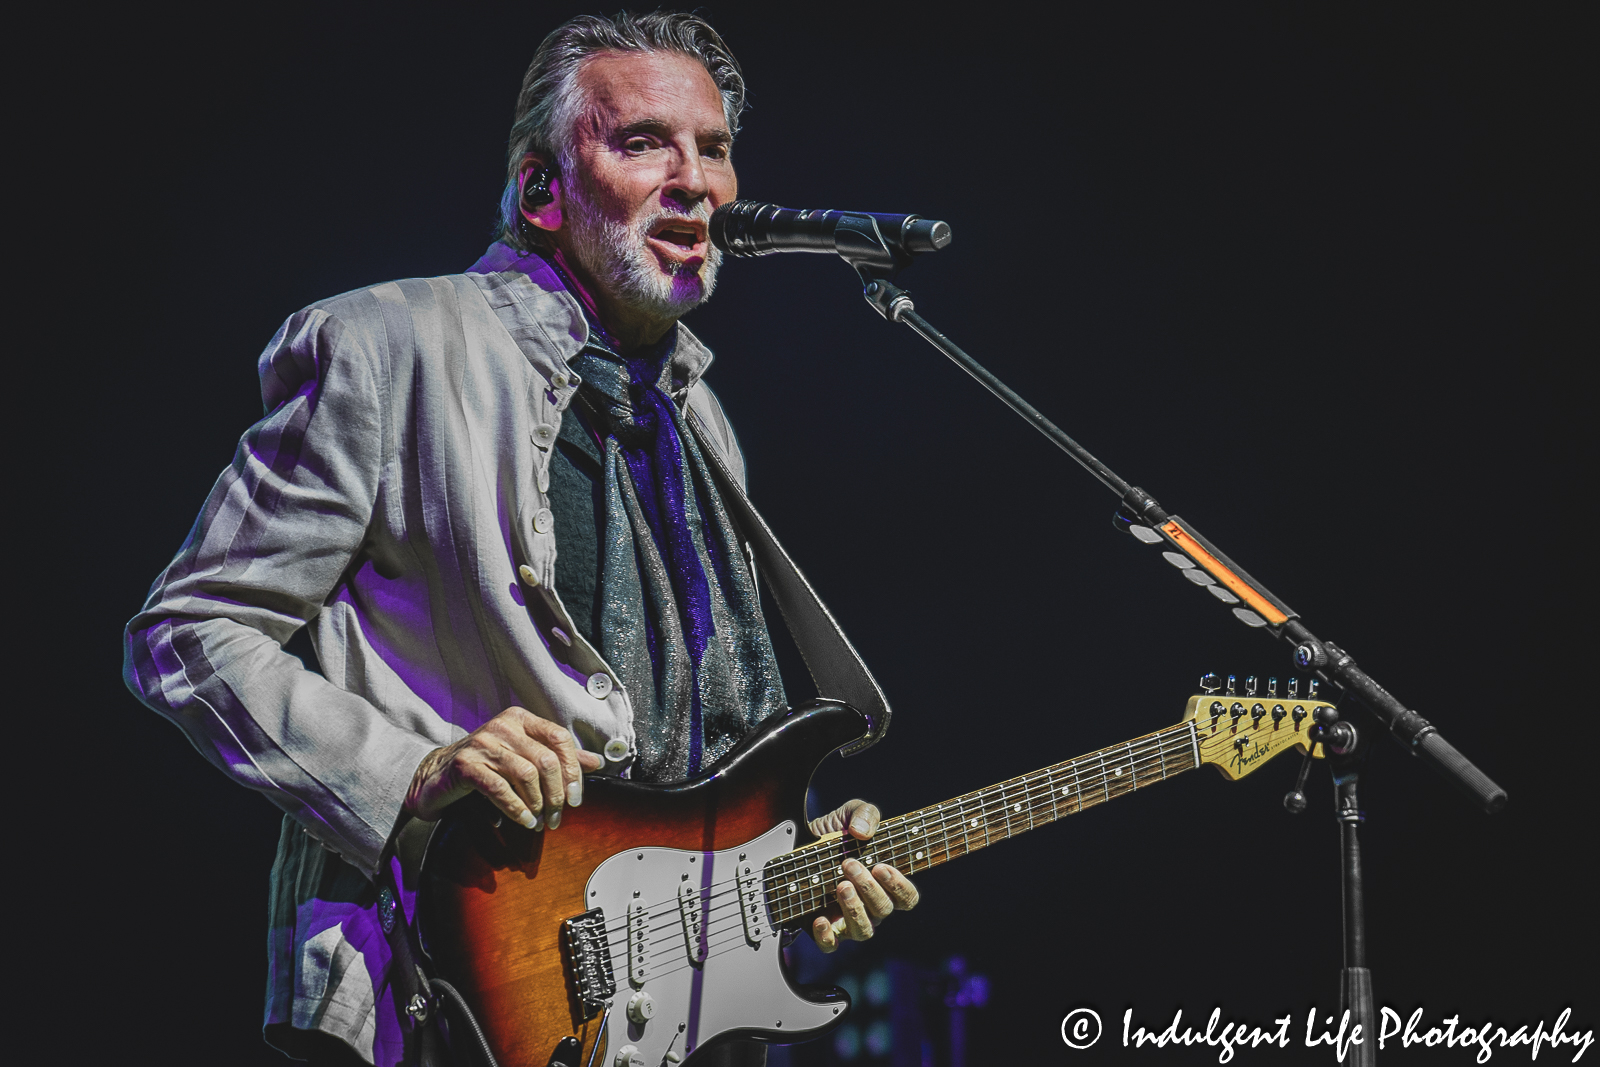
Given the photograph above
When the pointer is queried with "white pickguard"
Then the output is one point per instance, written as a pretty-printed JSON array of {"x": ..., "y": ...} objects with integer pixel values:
[{"x": 740, "y": 984}]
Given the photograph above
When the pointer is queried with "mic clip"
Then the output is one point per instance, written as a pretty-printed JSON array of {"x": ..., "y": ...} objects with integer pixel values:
[{"x": 860, "y": 243}]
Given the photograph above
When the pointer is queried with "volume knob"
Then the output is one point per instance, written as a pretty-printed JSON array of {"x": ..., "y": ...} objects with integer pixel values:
[
  {"x": 641, "y": 1009},
  {"x": 629, "y": 1056}
]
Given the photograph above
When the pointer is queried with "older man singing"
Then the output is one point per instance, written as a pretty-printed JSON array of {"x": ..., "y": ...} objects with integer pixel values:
[{"x": 428, "y": 447}]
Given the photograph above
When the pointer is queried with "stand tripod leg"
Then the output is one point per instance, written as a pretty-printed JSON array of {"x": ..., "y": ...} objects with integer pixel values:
[{"x": 1355, "y": 980}]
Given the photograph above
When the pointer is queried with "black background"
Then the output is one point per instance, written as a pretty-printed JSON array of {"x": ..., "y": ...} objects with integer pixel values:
[{"x": 1313, "y": 279}]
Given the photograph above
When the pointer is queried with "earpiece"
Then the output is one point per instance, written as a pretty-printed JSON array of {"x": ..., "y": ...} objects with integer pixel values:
[{"x": 536, "y": 188}]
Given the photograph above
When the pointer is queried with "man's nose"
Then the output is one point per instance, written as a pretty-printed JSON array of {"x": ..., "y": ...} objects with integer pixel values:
[{"x": 687, "y": 182}]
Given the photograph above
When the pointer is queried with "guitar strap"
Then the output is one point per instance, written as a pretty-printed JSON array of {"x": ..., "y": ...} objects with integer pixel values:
[
  {"x": 415, "y": 1004},
  {"x": 835, "y": 665}
]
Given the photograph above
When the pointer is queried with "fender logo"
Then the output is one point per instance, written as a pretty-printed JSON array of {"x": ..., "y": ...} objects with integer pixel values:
[{"x": 1249, "y": 752}]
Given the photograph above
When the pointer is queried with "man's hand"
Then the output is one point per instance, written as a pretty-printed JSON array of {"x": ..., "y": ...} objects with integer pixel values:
[
  {"x": 530, "y": 767},
  {"x": 865, "y": 898}
]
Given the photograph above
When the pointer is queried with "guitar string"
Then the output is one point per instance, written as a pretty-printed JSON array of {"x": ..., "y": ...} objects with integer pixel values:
[
  {"x": 1138, "y": 752},
  {"x": 1141, "y": 754},
  {"x": 995, "y": 799},
  {"x": 670, "y": 910},
  {"x": 1002, "y": 794},
  {"x": 1146, "y": 752}
]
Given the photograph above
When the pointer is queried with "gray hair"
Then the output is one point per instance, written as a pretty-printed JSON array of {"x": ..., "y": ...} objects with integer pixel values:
[{"x": 551, "y": 103}]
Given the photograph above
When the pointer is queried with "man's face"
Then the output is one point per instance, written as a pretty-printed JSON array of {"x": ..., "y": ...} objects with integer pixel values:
[{"x": 651, "y": 162}]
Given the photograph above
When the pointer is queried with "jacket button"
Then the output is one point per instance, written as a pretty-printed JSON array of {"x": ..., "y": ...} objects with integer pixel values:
[
  {"x": 599, "y": 685},
  {"x": 617, "y": 750},
  {"x": 544, "y": 433},
  {"x": 559, "y": 380},
  {"x": 543, "y": 521},
  {"x": 525, "y": 572}
]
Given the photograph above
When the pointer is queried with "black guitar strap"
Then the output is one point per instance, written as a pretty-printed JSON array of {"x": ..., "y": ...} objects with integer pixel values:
[
  {"x": 415, "y": 1002},
  {"x": 835, "y": 665}
]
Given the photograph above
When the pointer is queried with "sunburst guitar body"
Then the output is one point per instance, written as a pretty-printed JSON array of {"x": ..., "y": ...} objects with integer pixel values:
[{"x": 648, "y": 927}]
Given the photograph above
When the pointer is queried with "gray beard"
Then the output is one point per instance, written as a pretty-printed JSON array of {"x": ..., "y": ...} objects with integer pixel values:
[{"x": 615, "y": 255}]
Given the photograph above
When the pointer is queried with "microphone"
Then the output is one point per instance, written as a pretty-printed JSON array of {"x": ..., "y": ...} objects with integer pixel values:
[{"x": 866, "y": 239}]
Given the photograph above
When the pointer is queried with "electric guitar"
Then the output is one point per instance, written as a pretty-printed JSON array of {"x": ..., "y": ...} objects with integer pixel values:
[{"x": 648, "y": 926}]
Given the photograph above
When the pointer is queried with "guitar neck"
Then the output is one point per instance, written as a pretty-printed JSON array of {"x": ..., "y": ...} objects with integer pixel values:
[{"x": 801, "y": 882}]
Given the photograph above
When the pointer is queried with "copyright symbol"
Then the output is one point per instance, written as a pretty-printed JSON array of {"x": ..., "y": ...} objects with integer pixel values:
[{"x": 1081, "y": 1028}]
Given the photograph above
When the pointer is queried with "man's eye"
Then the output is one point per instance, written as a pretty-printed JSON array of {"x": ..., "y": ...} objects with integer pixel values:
[
  {"x": 637, "y": 144},
  {"x": 715, "y": 151}
]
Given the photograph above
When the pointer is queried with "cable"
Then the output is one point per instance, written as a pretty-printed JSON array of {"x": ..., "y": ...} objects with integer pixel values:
[{"x": 441, "y": 986}]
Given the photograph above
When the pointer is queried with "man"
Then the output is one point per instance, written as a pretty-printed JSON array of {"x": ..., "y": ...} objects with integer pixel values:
[{"x": 429, "y": 446}]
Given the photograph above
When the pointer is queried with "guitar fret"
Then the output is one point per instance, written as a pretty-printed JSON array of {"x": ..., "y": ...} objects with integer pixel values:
[{"x": 801, "y": 883}]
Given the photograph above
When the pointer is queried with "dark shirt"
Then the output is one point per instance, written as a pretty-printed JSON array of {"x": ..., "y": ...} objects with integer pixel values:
[{"x": 578, "y": 502}]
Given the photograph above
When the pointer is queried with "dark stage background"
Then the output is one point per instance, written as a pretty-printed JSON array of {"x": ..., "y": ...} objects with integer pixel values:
[{"x": 1313, "y": 279}]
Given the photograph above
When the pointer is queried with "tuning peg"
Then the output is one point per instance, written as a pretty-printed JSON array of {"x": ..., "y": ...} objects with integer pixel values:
[
  {"x": 1272, "y": 687},
  {"x": 1209, "y": 683},
  {"x": 1337, "y": 737},
  {"x": 1311, "y": 690},
  {"x": 1250, "y": 686},
  {"x": 1294, "y": 689},
  {"x": 1233, "y": 686}
]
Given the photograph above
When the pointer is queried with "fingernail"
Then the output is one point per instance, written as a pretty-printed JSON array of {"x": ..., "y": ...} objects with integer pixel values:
[
  {"x": 555, "y": 819},
  {"x": 575, "y": 794},
  {"x": 859, "y": 825},
  {"x": 529, "y": 820}
]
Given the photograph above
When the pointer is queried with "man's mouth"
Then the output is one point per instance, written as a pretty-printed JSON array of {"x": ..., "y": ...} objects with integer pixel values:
[{"x": 679, "y": 240}]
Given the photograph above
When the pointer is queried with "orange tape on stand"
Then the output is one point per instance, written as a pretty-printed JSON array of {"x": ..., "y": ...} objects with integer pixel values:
[{"x": 1214, "y": 567}]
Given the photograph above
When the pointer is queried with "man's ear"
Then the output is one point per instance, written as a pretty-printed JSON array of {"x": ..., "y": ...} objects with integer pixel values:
[{"x": 539, "y": 192}]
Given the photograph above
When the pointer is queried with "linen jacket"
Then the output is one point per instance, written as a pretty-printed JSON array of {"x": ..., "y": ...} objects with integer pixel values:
[{"x": 387, "y": 501}]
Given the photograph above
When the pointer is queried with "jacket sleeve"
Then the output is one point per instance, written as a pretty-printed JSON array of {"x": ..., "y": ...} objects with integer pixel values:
[{"x": 271, "y": 546}]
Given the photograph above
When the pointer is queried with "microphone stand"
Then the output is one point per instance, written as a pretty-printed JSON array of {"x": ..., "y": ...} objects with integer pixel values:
[
  {"x": 858, "y": 239},
  {"x": 1140, "y": 515}
]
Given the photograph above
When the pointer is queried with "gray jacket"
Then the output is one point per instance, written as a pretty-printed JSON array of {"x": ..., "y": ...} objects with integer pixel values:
[{"x": 387, "y": 500}]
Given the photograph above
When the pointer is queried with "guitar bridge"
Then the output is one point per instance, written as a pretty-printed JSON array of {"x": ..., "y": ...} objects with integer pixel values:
[{"x": 589, "y": 960}]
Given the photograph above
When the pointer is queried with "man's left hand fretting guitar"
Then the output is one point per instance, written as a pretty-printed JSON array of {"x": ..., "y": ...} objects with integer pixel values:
[{"x": 650, "y": 922}]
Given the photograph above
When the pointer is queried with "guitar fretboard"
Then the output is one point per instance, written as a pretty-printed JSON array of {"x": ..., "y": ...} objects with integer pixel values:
[{"x": 802, "y": 882}]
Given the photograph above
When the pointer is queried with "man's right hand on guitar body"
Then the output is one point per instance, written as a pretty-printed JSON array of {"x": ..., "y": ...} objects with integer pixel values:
[
  {"x": 528, "y": 766},
  {"x": 864, "y": 898}
]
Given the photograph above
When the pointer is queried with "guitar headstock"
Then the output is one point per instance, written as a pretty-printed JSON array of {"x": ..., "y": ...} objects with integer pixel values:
[{"x": 1239, "y": 731}]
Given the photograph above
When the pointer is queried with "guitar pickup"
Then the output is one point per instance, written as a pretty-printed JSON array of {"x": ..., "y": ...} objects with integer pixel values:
[
  {"x": 589, "y": 960},
  {"x": 638, "y": 940},
  {"x": 752, "y": 905},
  {"x": 692, "y": 908}
]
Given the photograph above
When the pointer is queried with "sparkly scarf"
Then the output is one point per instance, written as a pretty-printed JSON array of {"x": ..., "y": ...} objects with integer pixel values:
[{"x": 680, "y": 620}]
